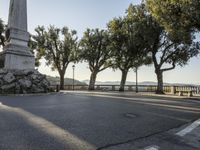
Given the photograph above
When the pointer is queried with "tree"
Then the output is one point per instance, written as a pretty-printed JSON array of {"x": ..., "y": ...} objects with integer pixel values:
[
  {"x": 2, "y": 29},
  {"x": 95, "y": 50},
  {"x": 181, "y": 18},
  {"x": 166, "y": 53},
  {"x": 32, "y": 44},
  {"x": 122, "y": 58},
  {"x": 58, "y": 47},
  {"x": 127, "y": 49}
]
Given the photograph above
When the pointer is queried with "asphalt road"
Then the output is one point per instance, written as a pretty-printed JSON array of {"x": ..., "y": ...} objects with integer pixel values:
[{"x": 94, "y": 121}]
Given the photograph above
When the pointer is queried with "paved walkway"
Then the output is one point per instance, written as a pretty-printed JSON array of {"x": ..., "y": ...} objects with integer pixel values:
[{"x": 133, "y": 94}]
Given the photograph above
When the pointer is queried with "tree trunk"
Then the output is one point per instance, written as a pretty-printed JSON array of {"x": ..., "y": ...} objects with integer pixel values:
[
  {"x": 62, "y": 80},
  {"x": 123, "y": 80},
  {"x": 92, "y": 80},
  {"x": 160, "y": 82}
]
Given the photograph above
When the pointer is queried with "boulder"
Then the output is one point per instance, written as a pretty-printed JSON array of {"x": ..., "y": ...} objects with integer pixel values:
[
  {"x": 18, "y": 73},
  {"x": 3, "y": 71},
  {"x": 1, "y": 82},
  {"x": 9, "y": 77},
  {"x": 17, "y": 88},
  {"x": 34, "y": 76},
  {"x": 25, "y": 83},
  {"x": 37, "y": 82},
  {"x": 28, "y": 72},
  {"x": 8, "y": 87},
  {"x": 36, "y": 89},
  {"x": 45, "y": 83}
]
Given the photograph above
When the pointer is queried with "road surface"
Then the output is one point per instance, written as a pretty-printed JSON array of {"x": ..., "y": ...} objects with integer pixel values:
[{"x": 84, "y": 121}]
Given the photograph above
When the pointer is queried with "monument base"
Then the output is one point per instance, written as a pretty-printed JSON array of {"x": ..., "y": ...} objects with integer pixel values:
[
  {"x": 23, "y": 82},
  {"x": 18, "y": 57}
]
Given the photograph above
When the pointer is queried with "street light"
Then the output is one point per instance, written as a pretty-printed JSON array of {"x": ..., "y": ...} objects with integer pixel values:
[
  {"x": 73, "y": 67},
  {"x": 136, "y": 80}
]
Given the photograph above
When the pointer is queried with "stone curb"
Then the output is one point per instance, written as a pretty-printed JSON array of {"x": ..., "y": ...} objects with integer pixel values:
[{"x": 36, "y": 94}]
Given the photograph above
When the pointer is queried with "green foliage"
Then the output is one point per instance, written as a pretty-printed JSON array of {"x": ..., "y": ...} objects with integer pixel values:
[
  {"x": 128, "y": 45},
  {"x": 95, "y": 49},
  {"x": 167, "y": 52},
  {"x": 58, "y": 47},
  {"x": 127, "y": 42},
  {"x": 180, "y": 18},
  {"x": 158, "y": 41},
  {"x": 33, "y": 45}
]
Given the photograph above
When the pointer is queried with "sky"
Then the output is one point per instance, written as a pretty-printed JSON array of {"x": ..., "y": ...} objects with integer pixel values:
[{"x": 82, "y": 14}]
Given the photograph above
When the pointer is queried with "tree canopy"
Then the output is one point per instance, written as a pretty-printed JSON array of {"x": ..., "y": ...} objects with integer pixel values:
[
  {"x": 128, "y": 48},
  {"x": 181, "y": 18},
  {"x": 58, "y": 47},
  {"x": 166, "y": 53},
  {"x": 95, "y": 50}
]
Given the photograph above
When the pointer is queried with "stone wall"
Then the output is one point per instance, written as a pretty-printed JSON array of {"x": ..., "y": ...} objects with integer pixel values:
[{"x": 23, "y": 82}]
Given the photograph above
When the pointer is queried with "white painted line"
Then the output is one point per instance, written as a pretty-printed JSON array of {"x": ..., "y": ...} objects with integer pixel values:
[
  {"x": 189, "y": 129},
  {"x": 153, "y": 147},
  {"x": 0, "y": 103}
]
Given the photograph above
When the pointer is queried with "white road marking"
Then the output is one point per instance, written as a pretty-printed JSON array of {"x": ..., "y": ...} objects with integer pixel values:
[
  {"x": 0, "y": 103},
  {"x": 189, "y": 129},
  {"x": 153, "y": 147}
]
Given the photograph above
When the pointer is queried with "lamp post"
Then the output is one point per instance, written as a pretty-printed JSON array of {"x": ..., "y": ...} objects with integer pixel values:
[
  {"x": 136, "y": 80},
  {"x": 73, "y": 67}
]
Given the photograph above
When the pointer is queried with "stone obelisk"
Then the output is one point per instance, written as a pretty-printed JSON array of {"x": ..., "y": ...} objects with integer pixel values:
[
  {"x": 17, "y": 64},
  {"x": 17, "y": 55}
]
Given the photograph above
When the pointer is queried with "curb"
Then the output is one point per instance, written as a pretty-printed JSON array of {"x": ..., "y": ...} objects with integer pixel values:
[
  {"x": 133, "y": 94},
  {"x": 34, "y": 94}
]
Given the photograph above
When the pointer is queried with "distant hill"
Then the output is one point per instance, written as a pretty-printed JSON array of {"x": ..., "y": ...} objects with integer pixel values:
[
  {"x": 133, "y": 83},
  {"x": 68, "y": 81},
  {"x": 118, "y": 83}
]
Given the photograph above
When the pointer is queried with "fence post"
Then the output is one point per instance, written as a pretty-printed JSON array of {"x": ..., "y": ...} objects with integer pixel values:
[
  {"x": 98, "y": 87},
  {"x": 130, "y": 88},
  {"x": 57, "y": 88},
  {"x": 173, "y": 90},
  {"x": 113, "y": 88},
  {"x": 190, "y": 94}
]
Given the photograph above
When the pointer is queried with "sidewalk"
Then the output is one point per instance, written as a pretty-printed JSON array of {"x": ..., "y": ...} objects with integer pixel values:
[{"x": 130, "y": 94}]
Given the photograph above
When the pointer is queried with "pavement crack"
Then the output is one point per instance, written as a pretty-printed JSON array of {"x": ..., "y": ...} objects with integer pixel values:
[{"x": 136, "y": 139}]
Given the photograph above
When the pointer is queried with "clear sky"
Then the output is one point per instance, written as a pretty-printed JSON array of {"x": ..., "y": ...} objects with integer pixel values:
[{"x": 82, "y": 14}]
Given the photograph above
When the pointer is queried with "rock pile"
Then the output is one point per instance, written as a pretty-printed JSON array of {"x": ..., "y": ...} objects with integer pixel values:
[{"x": 23, "y": 82}]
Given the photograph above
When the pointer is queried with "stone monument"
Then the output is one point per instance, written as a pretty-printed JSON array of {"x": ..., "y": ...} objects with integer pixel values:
[
  {"x": 17, "y": 73},
  {"x": 17, "y": 54}
]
